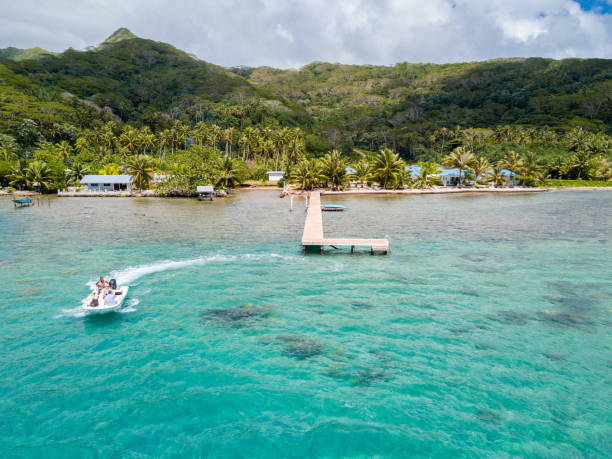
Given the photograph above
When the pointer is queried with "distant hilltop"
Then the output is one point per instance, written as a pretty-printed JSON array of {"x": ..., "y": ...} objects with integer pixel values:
[
  {"x": 18, "y": 54},
  {"x": 118, "y": 35}
]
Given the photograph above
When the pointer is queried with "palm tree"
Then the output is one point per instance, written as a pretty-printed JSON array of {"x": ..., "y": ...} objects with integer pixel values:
[
  {"x": 558, "y": 167},
  {"x": 18, "y": 175},
  {"x": 82, "y": 144},
  {"x": 109, "y": 169},
  {"x": 130, "y": 140},
  {"x": 200, "y": 133},
  {"x": 387, "y": 165},
  {"x": 148, "y": 141},
  {"x": 227, "y": 173},
  {"x": 77, "y": 172},
  {"x": 165, "y": 139},
  {"x": 228, "y": 136},
  {"x": 64, "y": 149},
  {"x": 581, "y": 162},
  {"x": 496, "y": 176},
  {"x": 363, "y": 172},
  {"x": 215, "y": 134},
  {"x": 39, "y": 175},
  {"x": 426, "y": 178},
  {"x": 7, "y": 155},
  {"x": 511, "y": 161},
  {"x": 182, "y": 132},
  {"x": 459, "y": 158},
  {"x": 307, "y": 174},
  {"x": 479, "y": 166},
  {"x": 333, "y": 167},
  {"x": 530, "y": 167},
  {"x": 140, "y": 168},
  {"x": 296, "y": 145}
]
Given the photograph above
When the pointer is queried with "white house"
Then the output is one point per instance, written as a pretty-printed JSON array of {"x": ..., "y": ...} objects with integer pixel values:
[
  {"x": 275, "y": 176},
  {"x": 107, "y": 182}
]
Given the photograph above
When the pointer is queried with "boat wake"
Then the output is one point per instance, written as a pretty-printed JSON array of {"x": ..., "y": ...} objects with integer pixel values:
[
  {"x": 131, "y": 307},
  {"x": 128, "y": 276}
]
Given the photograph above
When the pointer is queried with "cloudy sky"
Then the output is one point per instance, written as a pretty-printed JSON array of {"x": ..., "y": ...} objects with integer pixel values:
[{"x": 291, "y": 33}]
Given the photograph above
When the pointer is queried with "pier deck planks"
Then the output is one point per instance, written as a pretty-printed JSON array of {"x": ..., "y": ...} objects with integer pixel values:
[{"x": 313, "y": 231}]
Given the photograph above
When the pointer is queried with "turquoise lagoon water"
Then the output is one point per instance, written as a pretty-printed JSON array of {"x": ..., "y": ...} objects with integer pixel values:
[{"x": 485, "y": 332}]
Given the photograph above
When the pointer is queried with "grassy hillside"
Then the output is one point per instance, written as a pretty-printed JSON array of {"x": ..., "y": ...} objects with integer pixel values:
[
  {"x": 145, "y": 81},
  {"x": 366, "y": 105},
  {"x": 17, "y": 54}
]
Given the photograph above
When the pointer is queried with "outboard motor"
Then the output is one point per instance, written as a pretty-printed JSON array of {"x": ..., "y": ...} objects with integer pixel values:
[{"x": 113, "y": 284}]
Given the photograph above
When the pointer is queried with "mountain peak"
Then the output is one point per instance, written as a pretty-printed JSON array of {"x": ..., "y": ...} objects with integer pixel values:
[{"x": 118, "y": 35}]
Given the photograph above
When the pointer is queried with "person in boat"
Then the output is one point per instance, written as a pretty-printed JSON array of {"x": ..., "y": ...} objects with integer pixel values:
[
  {"x": 102, "y": 283},
  {"x": 94, "y": 300},
  {"x": 110, "y": 298}
]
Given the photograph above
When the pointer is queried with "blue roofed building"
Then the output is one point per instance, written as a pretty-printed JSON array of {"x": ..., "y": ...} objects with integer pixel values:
[
  {"x": 107, "y": 182},
  {"x": 415, "y": 170},
  {"x": 450, "y": 177}
]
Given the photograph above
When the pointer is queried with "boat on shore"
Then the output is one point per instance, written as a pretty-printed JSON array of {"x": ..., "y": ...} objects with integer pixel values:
[{"x": 102, "y": 307}]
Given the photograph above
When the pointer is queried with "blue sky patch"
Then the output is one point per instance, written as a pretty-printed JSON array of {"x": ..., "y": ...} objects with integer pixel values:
[{"x": 596, "y": 6}]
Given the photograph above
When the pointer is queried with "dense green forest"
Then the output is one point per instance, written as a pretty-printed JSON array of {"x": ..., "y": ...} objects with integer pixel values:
[{"x": 132, "y": 99}]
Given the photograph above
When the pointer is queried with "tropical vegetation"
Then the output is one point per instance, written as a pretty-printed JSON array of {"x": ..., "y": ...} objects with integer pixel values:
[{"x": 137, "y": 106}]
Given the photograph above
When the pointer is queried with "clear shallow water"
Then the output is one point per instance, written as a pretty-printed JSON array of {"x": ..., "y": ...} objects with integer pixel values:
[{"x": 486, "y": 331}]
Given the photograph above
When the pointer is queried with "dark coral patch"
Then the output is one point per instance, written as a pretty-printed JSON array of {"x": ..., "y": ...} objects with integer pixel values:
[
  {"x": 238, "y": 316},
  {"x": 300, "y": 347}
]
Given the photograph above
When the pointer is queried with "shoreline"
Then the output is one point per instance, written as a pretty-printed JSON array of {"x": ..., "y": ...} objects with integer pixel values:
[
  {"x": 324, "y": 192},
  {"x": 439, "y": 191}
]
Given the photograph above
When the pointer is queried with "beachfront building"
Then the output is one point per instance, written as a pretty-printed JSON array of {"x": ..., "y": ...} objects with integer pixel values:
[
  {"x": 512, "y": 178},
  {"x": 415, "y": 170},
  {"x": 205, "y": 192},
  {"x": 107, "y": 182},
  {"x": 275, "y": 176},
  {"x": 450, "y": 177}
]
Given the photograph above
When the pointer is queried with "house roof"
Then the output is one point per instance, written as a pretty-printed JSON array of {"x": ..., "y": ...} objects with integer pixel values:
[
  {"x": 415, "y": 169},
  {"x": 205, "y": 189},
  {"x": 112, "y": 179},
  {"x": 451, "y": 172},
  {"x": 275, "y": 172}
]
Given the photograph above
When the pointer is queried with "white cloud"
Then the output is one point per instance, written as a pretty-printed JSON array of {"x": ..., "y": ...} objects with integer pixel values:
[
  {"x": 289, "y": 33},
  {"x": 522, "y": 30},
  {"x": 284, "y": 33}
]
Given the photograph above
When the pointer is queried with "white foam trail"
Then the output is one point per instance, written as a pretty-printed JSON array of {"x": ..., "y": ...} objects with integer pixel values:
[
  {"x": 129, "y": 275},
  {"x": 131, "y": 306}
]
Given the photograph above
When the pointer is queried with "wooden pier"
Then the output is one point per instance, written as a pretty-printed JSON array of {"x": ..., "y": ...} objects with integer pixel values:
[{"x": 313, "y": 238}]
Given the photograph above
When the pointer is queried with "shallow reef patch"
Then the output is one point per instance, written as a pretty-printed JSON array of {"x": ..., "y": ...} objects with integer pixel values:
[
  {"x": 300, "y": 347},
  {"x": 244, "y": 315}
]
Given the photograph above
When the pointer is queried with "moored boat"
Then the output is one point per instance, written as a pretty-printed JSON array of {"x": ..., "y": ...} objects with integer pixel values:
[{"x": 332, "y": 207}]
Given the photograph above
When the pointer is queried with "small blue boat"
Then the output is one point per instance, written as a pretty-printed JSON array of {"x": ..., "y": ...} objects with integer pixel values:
[
  {"x": 22, "y": 202},
  {"x": 332, "y": 207}
]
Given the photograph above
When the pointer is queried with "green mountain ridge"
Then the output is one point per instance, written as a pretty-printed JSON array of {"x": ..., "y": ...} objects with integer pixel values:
[
  {"x": 18, "y": 54},
  {"x": 145, "y": 82}
]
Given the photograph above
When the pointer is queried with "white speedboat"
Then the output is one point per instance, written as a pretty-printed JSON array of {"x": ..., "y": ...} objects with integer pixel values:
[{"x": 102, "y": 307}]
